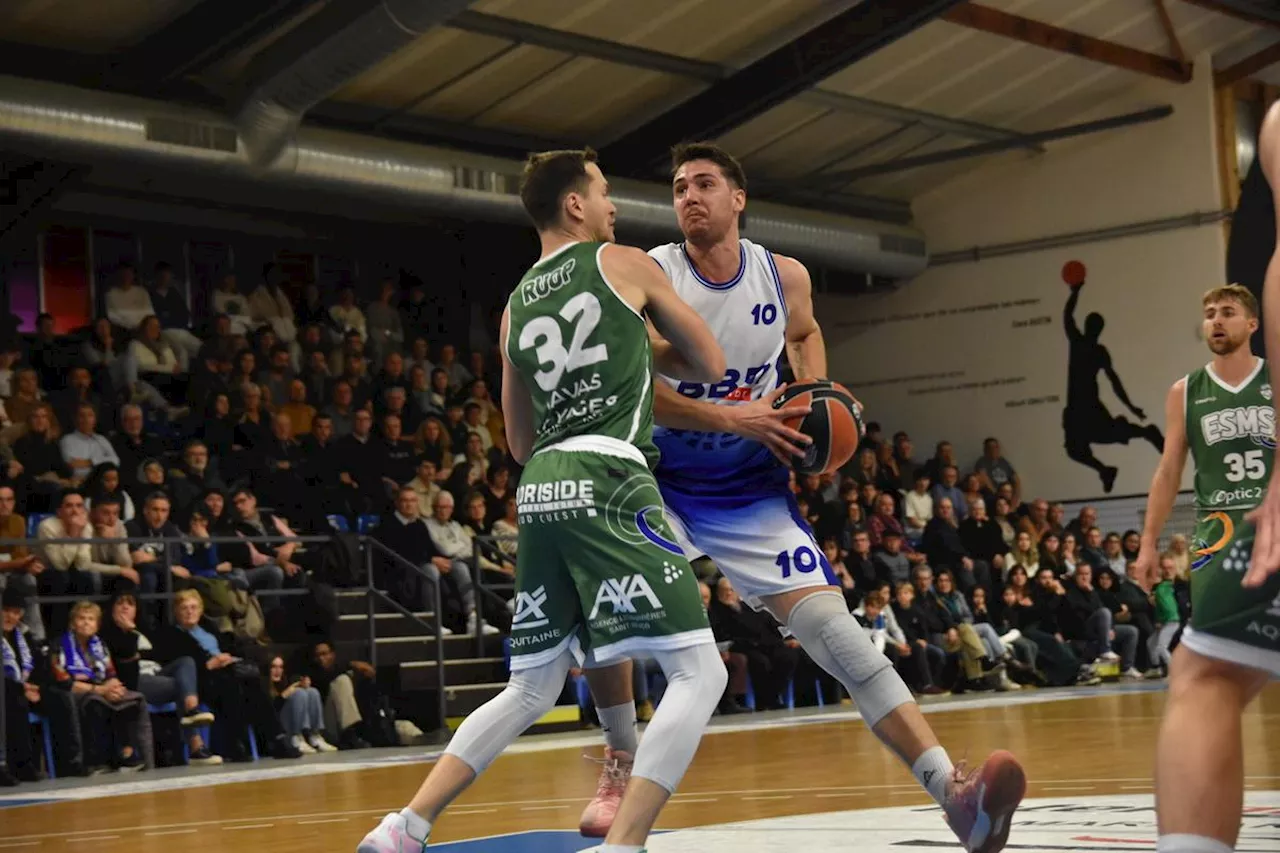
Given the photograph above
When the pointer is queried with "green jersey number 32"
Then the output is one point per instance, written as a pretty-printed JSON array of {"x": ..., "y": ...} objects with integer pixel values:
[{"x": 543, "y": 333}]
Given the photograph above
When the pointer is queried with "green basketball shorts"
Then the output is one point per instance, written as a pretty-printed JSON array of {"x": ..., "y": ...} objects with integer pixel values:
[
  {"x": 598, "y": 566},
  {"x": 1229, "y": 622}
]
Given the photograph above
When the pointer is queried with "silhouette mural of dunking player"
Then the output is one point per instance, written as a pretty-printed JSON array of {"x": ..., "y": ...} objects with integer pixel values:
[{"x": 1085, "y": 421}]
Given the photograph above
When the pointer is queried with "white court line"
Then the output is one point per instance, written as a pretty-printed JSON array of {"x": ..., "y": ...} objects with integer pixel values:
[
  {"x": 92, "y": 838},
  {"x": 830, "y": 792},
  {"x": 779, "y": 797},
  {"x": 172, "y": 832},
  {"x": 1135, "y": 787},
  {"x": 327, "y": 820},
  {"x": 248, "y": 826},
  {"x": 674, "y": 802},
  {"x": 842, "y": 714},
  {"x": 839, "y": 796},
  {"x": 1068, "y": 787}
]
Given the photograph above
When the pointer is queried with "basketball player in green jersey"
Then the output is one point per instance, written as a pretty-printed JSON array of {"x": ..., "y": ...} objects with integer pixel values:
[
  {"x": 1224, "y": 415},
  {"x": 599, "y": 569}
]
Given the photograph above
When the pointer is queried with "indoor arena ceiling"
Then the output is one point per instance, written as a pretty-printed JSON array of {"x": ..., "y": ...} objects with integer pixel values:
[{"x": 839, "y": 104}]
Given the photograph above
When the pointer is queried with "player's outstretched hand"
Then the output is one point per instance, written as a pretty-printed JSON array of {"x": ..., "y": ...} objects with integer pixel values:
[
  {"x": 1147, "y": 566},
  {"x": 1266, "y": 539},
  {"x": 760, "y": 421}
]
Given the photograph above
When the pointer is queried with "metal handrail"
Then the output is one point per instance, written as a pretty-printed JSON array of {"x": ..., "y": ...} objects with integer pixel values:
[
  {"x": 370, "y": 545},
  {"x": 483, "y": 590}
]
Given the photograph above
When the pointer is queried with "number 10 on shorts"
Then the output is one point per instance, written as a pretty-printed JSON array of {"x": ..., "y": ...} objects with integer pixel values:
[{"x": 803, "y": 559}]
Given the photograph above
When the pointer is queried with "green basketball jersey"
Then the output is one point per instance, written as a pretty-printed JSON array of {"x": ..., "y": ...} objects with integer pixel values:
[
  {"x": 582, "y": 351},
  {"x": 1232, "y": 436}
]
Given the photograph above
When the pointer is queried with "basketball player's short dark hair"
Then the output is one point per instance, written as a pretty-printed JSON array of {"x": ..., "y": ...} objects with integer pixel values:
[
  {"x": 687, "y": 152},
  {"x": 548, "y": 177},
  {"x": 1234, "y": 293}
]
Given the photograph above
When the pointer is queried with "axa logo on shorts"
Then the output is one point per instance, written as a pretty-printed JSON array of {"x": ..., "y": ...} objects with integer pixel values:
[
  {"x": 621, "y": 595},
  {"x": 529, "y": 613},
  {"x": 1230, "y": 497},
  {"x": 540, "y": 286},
  {"x": 1239, "y": 422}
]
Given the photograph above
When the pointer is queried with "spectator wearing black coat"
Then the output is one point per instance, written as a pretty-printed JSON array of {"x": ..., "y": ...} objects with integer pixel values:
[
  {"x": 405, "y": 533},
  {"x": 156, "y": 561},
  {"x": 362, "y": 463},
  {"x": 1088, "y": 622},
  {"x": 28, "y": 688},
  {"x": 133, "y": 446},
  {"x": 770, "y": 660},
  {"x": 230, "y": 685},
  {"x": 945, "y": 548},
  {"x": 161, "y": 681},
  {"x": 982, "y": 538},
  {"x": 914, "y": 623}
]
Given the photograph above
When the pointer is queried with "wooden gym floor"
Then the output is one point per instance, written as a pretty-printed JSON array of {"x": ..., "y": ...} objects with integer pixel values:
[{"x": 1077, "y": 747}]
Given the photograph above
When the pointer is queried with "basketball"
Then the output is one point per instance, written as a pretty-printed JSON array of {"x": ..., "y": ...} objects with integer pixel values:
[
  {"x": 1073, "y": 273},
  {"x": 834, "y": 423}
]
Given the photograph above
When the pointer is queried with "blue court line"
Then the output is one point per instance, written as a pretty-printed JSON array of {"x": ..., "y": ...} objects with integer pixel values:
[
  {"x": 33, "y": 801},
  {"x": 541, "y": 841}
]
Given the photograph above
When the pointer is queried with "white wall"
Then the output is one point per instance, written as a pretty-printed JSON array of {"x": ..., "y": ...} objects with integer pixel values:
[{"x": 968, "y": 350}]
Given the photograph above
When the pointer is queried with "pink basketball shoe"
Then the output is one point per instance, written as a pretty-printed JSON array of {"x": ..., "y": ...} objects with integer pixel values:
[
  {"x": 981, "y": 803},
  {"x": 599, "y": 813},
  {"x": 391, "y": 836}
]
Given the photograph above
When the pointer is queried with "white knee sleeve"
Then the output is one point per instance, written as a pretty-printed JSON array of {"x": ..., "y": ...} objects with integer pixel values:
[
  {"x": 696, "y": 679},
  {"x": 494, "y": 725},
  {"x": 837, "y": 643}
]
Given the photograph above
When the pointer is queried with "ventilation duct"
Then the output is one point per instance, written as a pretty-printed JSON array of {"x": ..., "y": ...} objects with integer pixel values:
[
  {"x": 273, "y": 112},
  {"x": 45, "y": 119}
]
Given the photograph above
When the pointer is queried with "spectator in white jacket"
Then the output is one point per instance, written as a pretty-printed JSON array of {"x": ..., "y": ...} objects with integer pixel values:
[
  {"x": 228, "y": 299},
  {"x": 918, "y": 508},
  {"x": 128, "y": 303},
  {"x": 150, "y": 350},
  {"x": 347, "y": 316}
]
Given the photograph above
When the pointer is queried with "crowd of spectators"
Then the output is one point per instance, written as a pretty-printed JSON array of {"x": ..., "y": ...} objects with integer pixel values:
[
  {"x": 207, "y": 451},
  {"x": 966, "y": 586},
  {"x": 272, "y": 421}
]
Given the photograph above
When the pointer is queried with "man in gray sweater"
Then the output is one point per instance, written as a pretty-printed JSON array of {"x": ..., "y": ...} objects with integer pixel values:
[
  {"x": 452, "y": 540},
  {"x": 891, "y": 564}
]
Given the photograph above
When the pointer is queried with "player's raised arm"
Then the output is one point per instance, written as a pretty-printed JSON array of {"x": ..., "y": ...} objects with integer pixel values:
[
  {"x": 517, "y": 406},
  {"x": 1167, "y": 479},
  {"x": 1266, "y": 544},
  {"x": 693, "y": 353},
  {"x": 806, "y": 349}
]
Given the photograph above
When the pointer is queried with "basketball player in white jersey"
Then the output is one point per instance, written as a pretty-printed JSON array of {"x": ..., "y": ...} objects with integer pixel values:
[{"x": 727, "y": 494}]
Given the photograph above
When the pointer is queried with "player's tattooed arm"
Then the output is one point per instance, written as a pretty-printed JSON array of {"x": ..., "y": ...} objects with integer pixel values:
[
  {"x": 517, "y": 405},
  {"x": 1266, "y": 543},
  {"x": 806, "y": 349},
  {"x": 1167, "y": 480}
]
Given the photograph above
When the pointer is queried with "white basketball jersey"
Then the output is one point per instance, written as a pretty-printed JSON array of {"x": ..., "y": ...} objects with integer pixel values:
[{"x": 748, "y": 316}]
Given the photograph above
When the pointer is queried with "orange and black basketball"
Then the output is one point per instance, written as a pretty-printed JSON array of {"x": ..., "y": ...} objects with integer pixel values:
[{"x": 834, "y": 423}]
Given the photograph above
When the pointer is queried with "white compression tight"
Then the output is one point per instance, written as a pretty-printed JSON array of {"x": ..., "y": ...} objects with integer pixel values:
[
  {"x": 837, "y": 643},
  {"x": 696, "y": 679},
  {"x": 494, "y": 725}
]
